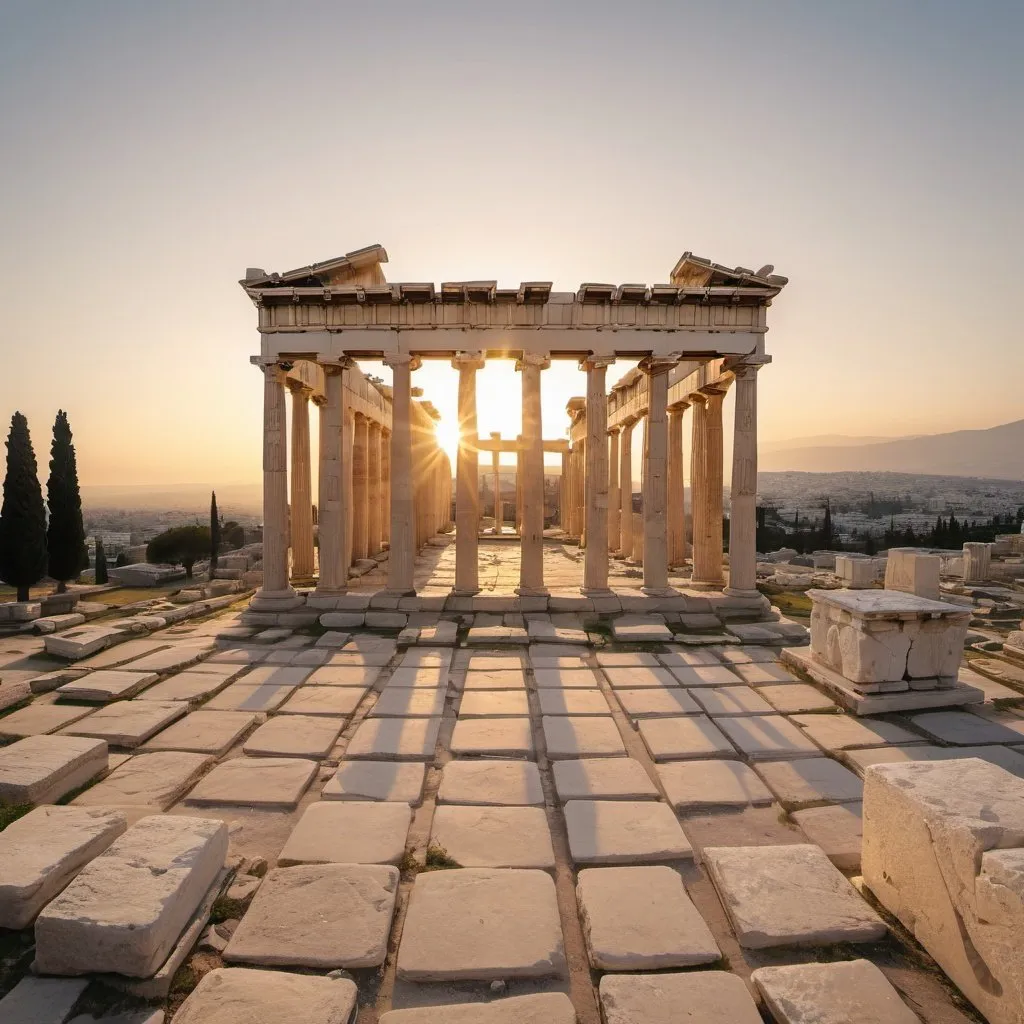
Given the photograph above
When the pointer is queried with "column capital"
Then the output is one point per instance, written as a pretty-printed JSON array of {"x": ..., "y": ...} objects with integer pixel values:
[
  {"x": 298, "y": 387},
  {"x": 271, "y": 369},
  {"x": 612, "y": 431},
  {"x": 468, "y": 361},
  {"x": 596, "y": 361},
  {"x": 653, "y": 365},
  {"x": 395, "y": 359},
  {"x": 335, "y": 366},
  {"x": 542, "y": 360}
]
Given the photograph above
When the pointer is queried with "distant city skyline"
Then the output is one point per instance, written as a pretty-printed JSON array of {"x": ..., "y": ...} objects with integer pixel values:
[{"x": 871, "y": 152}]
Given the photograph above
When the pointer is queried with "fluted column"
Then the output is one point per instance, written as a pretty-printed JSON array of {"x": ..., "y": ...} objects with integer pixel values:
[
  {"x": 385, "y": 486},
  {"x": 360, "y": 487},
  {"x": 467, "y": 478},
  {"x": 595, "y": 499},
  {"x": 333, "y": 577},
  {"x": 626, "y": 492},
  {"x": 499, "y": 511},
  {"x": 676, "y": 517},
  {"x": 347, "y": 481},
  {"x": 276, "y": 592},
  {"x": 519, "y": 485},
  {"x": 301, "y": 518},
  {"x": 401, "y": 563},
  {"x": 707, "y": 496},
  {"x": 563, "y": 494},
  {"x": 655, "y": 478},
  {"x": 743, "y": 493},
  {"x": 579, "y": 491},
  {"x": 373, "y": 489},
  {"x": 531, "y": 565},
  {"x": 614, "y": 498}
]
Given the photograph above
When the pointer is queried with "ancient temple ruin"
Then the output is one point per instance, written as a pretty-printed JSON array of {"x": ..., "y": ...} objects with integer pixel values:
[{"x": 384, "y": 482}]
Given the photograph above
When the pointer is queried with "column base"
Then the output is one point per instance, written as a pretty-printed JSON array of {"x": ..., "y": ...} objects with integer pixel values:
[
  {"x": 706, "y": 584},
  {"x": 329, "y": 591},
  {"x": 596, "y": 591},
  {"x": 276, "y": 601},
  {"x": 748, "y": 595},
  {"x": 388, "y": 592},
  {"x": 533, "y": 591},
  {"x": 465, "y": 591},
  {"x": 659, "y": 591}
]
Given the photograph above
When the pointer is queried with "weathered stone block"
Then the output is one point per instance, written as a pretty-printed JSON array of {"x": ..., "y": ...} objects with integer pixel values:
[
  {"x": 541, "y": 1008},
  {"x": 913, "y": 572},
  {"x": 41, "y": 769}
]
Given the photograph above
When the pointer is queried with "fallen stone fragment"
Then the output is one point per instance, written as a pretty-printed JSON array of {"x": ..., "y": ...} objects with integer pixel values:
[
  {"x": 541, "y": 1008},
  {"x": 348, "y": 833},
  {"x": 624, "y": 832},
  {"x": 125, "y": 910},
  {"x": 707, "y": 997},
  {"x": 850, "y": 992},
  {"x": 789, "y": 896},
  {"x": 41, "y": 852},
  {"x": 238, "y": 995},
  {"x": 481, "y": 924},
  {"x": 42, "y": 769},
  {"x": 322, "y": 916},
  {"x": 641, "y": 918}
]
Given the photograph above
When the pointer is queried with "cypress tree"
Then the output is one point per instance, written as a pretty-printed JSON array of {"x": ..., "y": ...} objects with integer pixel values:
[
  {"x": 214, "y": 532},
  {"x": 65, "y": 535},
  {"x": 101, "y": 562},
  {"x": 23, "y": 517}
]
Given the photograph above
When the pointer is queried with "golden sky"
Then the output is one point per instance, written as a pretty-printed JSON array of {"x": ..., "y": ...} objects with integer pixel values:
[{"x": 872, "y": 152}]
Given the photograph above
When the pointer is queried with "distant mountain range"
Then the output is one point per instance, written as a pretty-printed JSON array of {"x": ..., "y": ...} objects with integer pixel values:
[{"x": 997, "y": 452}]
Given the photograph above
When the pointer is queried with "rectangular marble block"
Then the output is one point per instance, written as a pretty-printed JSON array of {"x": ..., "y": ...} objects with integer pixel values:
[
  {"x": 125, "y": 911},
  {"x": 395, "y": 739},
  {"x": 42, "y": 769},
  {"x": 943, "y": 850},
  {"x": 41, "y": 852},
  {"x": 107, "y": 685}
]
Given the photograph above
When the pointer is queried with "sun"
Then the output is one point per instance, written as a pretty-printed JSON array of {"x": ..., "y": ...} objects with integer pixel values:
[{"x": 447, "y": 431}]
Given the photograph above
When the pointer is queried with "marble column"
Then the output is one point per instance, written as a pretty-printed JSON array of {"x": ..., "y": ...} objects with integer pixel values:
[
  {"x": 276, "y": 594},
  {"x": 698, "y": 447},
  {"x": 743, "y": 493},
  {"x": 402, "y": 560},
  {"x": 333, "y": 577},
  {"x": 563, "y": 495},
  {"x": 373, "y": 489},
  {"x": 360, "y": 488},
  {"x": 519, "y": 485},
  {"x": 656, "y": 478},
  {"x": 301, "y": 480},
  {"x": 707, "y": 567},
  {"x": 579, "y": 481},
  {"x": 531, "y": 564},
  {"x": 499, "y": 511},
  {"x": 467, "y": 478},
  {"x": 626, "y": 491},
  {"x": 347, "y": 481},
  {"x": 676, "y": 517},
  {"x": 385, "y": 486},
  {"x": 595, "y": 498},
  {"x": 614, "y": 498}
]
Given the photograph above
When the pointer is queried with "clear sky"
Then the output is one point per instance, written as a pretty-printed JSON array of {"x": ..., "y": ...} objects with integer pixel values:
[{"x": 150, "y": 152}]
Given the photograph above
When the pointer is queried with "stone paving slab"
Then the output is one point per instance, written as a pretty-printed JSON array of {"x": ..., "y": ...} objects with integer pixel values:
[
  {"x": 850, "y": 992},
  {"x": 323, "y": 700},
  {"x": 723, "y": 701},
  {"x": 602, "y": 778},
  {"x": 767, "y": 737},
  {"x": 39, "y": 719},
  {"x": 41, "y": 1000},
  {"x": 41, "y": 852},
  {"x": 843, "y": 732},
  {"x": 681, "y": 657},
  {"x": 657, "y": 703},
  {"x": 494, "y": 837},
  {"x": 809, "y": 781},
  {"x": 243, "y": 696},
  {"x": 238, "y": 656},
  {"x": 624, "y": 832},
  {"x": 413, "y": 676},
  {"x": 171, "y": 658},
  {"x": 276, "y": 932},
  {"x": 796, "y": 698},
  {"x": 626, "y": 659},
  {"x": 705, "y": 675},
  {"x": 700, "y": 785},
  {"x": 151, "y": 782},
  {"x": 336, "y": 832},
  {"x": 764, "y": 674},
  {"x": 495, "y": 704},
  {"x": 189, "y": 686},
  {"x": 641, "y": 918},
  {"x": 295, "y": 736},
  {"x": 789, "y": 896},
  {"x": 391, "y": 781},
  {"x": 482, "y": 924},
  {"x": 409, "y": 702},
  {"x": 204, "y": 732},
  {"x": 572, "y": 736},
  {"x": 565, "y": 678},
  {"x": 495, "y": 737},
  {"x": 394, "y": 739},
  {"x": 705, "y": 997},
  {"x": 963, "y": 728},
  {"x": 494, "y": 679},
  {"x": 746, "y": 655},
  {"x": 42, "y": 769},
  {"x": 643, "y": 629},
  {"x": 640, "y": 677},
  {"x": 109, "y": 656},
  {"x": 344, "y": 675},
  {"x": 837, "y": 829},
  {"x": 128, "y": 723},
  {"x": 494, "y": 662},
  {"x": 494, "y": 783},
  {"x": 1005, "y": 757},
  {"x": 265, "y": 782},
  {"x": 695, "y": 737},
  {"x": 166, "y": 865},
  {"x": 238, "y": 995},
  {"x": 540, "y": 1008},
  {"x": 106, "y": 685},
  {"x": 573, "y": 702}
]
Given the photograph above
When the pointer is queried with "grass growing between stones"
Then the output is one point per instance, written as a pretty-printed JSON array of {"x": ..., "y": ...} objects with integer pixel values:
[
  {"x": 225, "y": 909},
  {"x": 10, "y": 813}
]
